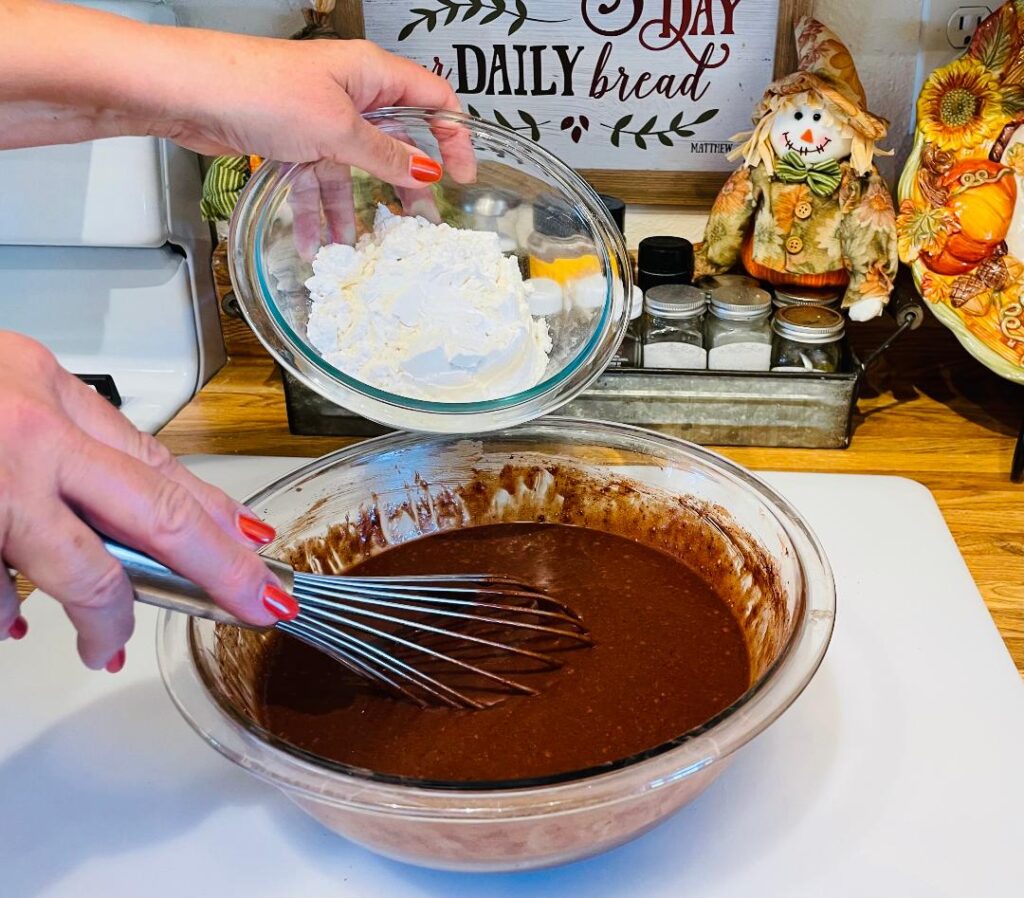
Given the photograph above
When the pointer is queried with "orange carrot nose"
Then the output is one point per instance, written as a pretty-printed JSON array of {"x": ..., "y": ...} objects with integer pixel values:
[{"x": 807, "y": 136}]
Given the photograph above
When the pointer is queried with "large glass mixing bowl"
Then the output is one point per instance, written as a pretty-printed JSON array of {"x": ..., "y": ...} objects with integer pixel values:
[
  {"x": 517, "y": 188},
  {"x": 783, "y": 596}
]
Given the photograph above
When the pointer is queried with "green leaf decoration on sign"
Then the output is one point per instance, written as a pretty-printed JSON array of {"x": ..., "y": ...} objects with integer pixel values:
[
  {"x": 530, "y": 125},
  {"x": 676, "y": 128},
  {"x": 430, "y": 17},
  {"x": 705, "y": 116},
  {"x": 497, "y": 11}
]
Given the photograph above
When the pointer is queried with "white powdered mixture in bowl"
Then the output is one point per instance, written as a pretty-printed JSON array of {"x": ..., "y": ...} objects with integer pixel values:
[{"x": 427, "y": 311}]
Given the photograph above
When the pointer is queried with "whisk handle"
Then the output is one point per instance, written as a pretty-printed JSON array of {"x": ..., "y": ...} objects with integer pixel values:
[{"x": 156, "y": 584}]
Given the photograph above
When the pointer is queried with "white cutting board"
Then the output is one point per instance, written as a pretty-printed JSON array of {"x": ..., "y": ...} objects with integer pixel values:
[{"x": 898, "y": 774}]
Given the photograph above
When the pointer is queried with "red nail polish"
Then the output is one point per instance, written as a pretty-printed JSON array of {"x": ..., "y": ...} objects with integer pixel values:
[
  {"x": 115, "y": 664},
  {"x": 18, "y": 629},
  {"x": 279, "y": 603},
  {"x": 256, "y": 530},
  {"x": 424, "y": 169}
]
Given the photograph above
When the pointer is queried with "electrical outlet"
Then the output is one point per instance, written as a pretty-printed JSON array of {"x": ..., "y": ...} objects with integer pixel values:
[
  {"x": 947, "y": 27},
  {"x": 962, "y": 24}
]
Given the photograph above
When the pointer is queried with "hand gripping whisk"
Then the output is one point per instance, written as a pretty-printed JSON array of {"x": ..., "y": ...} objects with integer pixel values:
[{"x": 432, "y": 638}]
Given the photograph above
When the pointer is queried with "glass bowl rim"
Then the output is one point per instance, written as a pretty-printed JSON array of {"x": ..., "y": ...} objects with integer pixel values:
[
  {"x": 815, "y": 606},
  {"x": 271, "y": 178}
]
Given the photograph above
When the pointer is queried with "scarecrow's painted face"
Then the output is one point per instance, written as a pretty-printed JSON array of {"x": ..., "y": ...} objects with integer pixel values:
[{"x": 808, "y": 128}]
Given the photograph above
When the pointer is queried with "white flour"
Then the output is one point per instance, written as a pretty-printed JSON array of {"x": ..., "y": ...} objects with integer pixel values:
[{"x": 427, "y": 311}]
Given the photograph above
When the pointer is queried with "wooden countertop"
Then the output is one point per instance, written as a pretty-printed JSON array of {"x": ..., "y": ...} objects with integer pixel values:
[{"x": 929, "y": 413}]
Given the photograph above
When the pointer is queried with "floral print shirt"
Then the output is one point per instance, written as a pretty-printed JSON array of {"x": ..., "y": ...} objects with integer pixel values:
[{"x": 795, "y": 231}]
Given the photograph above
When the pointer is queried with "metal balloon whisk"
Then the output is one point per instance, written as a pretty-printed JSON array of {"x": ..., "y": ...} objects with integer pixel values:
[{"x": 439, "y": 640}]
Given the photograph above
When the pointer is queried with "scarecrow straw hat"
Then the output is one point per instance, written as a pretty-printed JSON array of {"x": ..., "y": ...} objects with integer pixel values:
[{"x": 826, "y": 70}]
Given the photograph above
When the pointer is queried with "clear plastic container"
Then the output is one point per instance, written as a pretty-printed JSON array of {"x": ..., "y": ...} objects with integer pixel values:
[
  {"x": 674, "y": 327},
  {"x": 787, "y": 609},
  {"x": 559, "y": 246},
  {"x": 268, "y": 272},
  {"x": 808, "y": 338},
  {"x": 738, "y": 332}
]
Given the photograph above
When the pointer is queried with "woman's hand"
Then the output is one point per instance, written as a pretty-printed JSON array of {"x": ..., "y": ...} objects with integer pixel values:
[
  {"x": 66, "y": 456},
  {"x": 308, "y": 107},
  {"x": 302, "y": 101}
]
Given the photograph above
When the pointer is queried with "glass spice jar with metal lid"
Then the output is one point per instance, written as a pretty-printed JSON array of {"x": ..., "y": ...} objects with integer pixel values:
[
  {"x": 737, "y": 332},
  {"x": 806, "y": 296},
  {"x": 808, "y": 338},
  {"x": 716, "y": 281},
  {"x": 674, "y": 327}
]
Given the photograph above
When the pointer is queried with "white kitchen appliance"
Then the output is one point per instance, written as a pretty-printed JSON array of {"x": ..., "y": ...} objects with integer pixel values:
[{"x": 105, "y": 259}]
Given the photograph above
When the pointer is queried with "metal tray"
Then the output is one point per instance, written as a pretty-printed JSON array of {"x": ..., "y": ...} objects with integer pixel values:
[{"x": 722, "y": 408}]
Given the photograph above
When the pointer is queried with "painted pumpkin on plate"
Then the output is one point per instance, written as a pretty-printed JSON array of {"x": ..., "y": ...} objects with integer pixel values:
[{"x": 982, "y": 195}]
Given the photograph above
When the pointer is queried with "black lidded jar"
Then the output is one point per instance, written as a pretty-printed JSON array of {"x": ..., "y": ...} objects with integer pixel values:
[
  {"x": 617, "y": 209},
  {"x": 664, "y": 260}
]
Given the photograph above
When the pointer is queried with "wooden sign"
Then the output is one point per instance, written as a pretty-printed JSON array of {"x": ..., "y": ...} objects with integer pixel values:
[{"x": 642, "y": 96}]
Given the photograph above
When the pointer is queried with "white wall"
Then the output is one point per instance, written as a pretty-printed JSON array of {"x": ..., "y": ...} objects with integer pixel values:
[{"x": 275, "y": 18}]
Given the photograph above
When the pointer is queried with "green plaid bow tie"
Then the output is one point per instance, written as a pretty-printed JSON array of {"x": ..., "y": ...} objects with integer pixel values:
[{"x": 822, "y": 177}]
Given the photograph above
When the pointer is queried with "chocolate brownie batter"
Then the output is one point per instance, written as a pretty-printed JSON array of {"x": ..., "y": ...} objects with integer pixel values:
[{"x": 667, "y": 656}]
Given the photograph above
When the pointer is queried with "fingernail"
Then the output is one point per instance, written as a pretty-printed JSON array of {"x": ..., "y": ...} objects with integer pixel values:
[
  {"x": 424, "y": 169},
  {"x": 279, "y": 603},
  {"x": 256, "y": 530},
  {"x": 18, "y": 629},
  {"x": 115, "y": 664}
]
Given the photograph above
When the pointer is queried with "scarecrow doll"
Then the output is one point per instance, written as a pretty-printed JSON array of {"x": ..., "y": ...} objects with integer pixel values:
[{"x": 808, "y": 208}]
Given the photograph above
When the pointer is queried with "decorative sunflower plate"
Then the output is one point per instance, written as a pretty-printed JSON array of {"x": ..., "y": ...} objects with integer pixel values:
[{"x": 961, "y": 221}]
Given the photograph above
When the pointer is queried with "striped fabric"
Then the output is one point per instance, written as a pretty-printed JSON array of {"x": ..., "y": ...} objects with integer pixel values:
[{"x": 223, "y": 185}]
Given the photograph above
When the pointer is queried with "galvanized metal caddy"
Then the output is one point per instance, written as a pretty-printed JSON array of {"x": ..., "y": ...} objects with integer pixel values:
[{"x": 723, "y": 408}]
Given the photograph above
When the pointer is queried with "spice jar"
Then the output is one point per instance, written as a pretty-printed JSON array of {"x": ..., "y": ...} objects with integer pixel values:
[
  {"x": 737, "y": 332},
  {"x": 617, "y": 209},
  {"x": 714, "y": 282},
  {"x": 492, "y": 210},
  {"x": 557, "y": 246},
  {"x": 808, "y": 338},
  {"x": 664, "y": 260},
  {"x": 674, "y": 327},
  {"x": 631, "y": 351},
  {"x": 806, "y": 296}
]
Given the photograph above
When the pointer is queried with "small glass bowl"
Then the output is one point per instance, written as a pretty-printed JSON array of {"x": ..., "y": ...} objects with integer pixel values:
[
  {"x": 269, "y": 272},
  {"x": 518, "y": 825}
]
